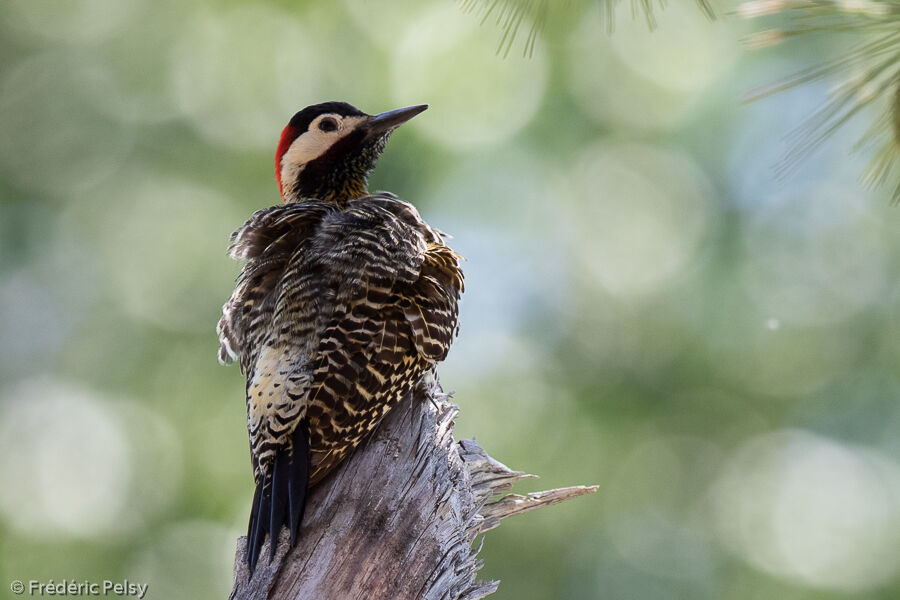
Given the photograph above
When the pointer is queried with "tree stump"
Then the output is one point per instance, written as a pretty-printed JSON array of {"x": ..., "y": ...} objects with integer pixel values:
[{"x": 398, "y": 519}]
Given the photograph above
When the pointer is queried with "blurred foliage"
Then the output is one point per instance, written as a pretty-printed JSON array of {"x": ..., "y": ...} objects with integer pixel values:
[
  {"x": 863, "y": 74},
  {"x": 648, "y": 308}
]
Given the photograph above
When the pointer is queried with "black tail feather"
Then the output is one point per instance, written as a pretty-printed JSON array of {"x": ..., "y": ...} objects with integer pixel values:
[
  {"x": 279, "y": 488},
  {"x": 283, "y": 490},
  {"x": 250, "y": 527},
  {"x": 259, "y": 524},
  {"x": 298, "y": 480}
]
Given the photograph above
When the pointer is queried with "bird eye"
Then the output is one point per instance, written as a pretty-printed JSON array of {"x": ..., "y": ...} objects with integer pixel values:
[{"x": 328, "y": 125}]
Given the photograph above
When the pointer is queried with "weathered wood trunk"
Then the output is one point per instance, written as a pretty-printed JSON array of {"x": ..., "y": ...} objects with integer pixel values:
[{"x": 398, "y": 519}]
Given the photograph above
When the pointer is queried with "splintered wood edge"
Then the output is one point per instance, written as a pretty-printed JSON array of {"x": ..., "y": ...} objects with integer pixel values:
[{"x": 516, "y": 504}]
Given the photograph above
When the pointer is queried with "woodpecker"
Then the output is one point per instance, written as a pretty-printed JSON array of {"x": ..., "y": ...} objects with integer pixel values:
[{"x": 346, "y": 301}]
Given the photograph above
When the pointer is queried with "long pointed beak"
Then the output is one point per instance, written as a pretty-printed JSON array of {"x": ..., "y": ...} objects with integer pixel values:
[{"x": 392, "y": 119}]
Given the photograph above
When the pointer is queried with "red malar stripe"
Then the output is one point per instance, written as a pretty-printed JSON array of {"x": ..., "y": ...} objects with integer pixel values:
[{"x": 288, "y": 135}]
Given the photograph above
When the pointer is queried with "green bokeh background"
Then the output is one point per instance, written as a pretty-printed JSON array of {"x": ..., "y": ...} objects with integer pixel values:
[{"x": 648, "y": 308}]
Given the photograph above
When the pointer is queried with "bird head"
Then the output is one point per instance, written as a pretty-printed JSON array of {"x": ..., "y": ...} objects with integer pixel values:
[{"x": 328, "y": 150}]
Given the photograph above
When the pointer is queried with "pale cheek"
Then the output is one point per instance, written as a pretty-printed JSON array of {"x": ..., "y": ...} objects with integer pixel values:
[
  {"x": 289, "y": 174},
  {"x": 308, "y": 147},
  {"x": 305, "y": 148}
]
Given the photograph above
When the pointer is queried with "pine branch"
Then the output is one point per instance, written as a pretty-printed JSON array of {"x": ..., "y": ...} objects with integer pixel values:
[{"x": 868, "y": 74}]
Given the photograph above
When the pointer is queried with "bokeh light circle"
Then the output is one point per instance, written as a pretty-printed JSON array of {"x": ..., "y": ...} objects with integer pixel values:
[
  {"x": 662, "y": 56},
  {"x": 640, "y": 213},
  {"x": 383, "y": 23},
  {"x": 55, "y": 139},
  {"x": 240, "y": 73},
  {"x": 816, "y": 257},
  {"x": 497, "y": 211},
  {"x": 651, "y": 506},
  {"x": 73, "y": 20},
  {"x": 477, "y": 97},
  {"x": 812, "y": 510},
  {"x": 647, "y": 80},
  {"x": 163, "y": 251},
  {"x": 67, "y": 462},
  {"x": 188, "y": 560}
]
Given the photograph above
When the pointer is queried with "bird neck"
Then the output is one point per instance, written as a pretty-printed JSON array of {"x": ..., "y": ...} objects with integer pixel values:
[
  {"x": 334, "y": 177},
  {"x": 338, "y": 191}
]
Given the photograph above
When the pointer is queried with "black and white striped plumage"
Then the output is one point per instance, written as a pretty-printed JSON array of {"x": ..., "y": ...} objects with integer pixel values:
[{"x": 343, "y": 305}]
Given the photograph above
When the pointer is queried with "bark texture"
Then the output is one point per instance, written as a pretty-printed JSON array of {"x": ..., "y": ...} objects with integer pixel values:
[{"x": 398, "y": 519}]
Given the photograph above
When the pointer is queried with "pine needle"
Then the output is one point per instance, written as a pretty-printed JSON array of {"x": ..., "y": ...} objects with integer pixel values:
[{"x": 511, "y": 14}]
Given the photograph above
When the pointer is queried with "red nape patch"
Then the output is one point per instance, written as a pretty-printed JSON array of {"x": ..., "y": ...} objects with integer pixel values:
[{"x": 288, "y": 135}]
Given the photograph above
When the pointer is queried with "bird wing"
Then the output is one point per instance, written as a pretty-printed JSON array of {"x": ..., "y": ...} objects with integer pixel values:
[
  {"x": 266, "y": 241},
  {"x": 395, "y": 304}
]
